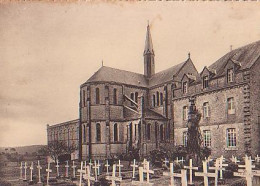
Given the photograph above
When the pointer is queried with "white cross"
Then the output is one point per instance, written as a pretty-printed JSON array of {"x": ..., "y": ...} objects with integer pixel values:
[
  {"x": 113, "y": 178},
  {"x": 48, "y": 170},
  {"x": 57, "y": 166},
  {"x": 165, "y": 162},
  {"x": 182, "y": 175},
  {"x": 90, "y": 164},
  {"x": 119, "y": 168},
  {"x": 81, "y": 171},
  {"x": 216, "y": 168},
  {"x": 205, "y": 174},
  {"x": 144, "y": 164},
  {"x": 95, "y": 167},
  {"x": 234, "y": 159},
  {"x": 208, "y": 159},
  {"x": 39, "y": 171},
  {"x": 21, "y": 172},
  {"x": 74, "y": 167},
  {"x": 85, "y": 166},
  {"x": 190, "y": 169},
  {"x": 141, "y": 178},
  {"x": 98, "y": 165},
  {"x": 134, "y": 166},
  {"x": 31, "y": 168},
  {"x": 25, "y": 168},
  {"x": 257, "y": 158},
  {"x": 182, "y": 160},
  {"x": 147, "y": 170},
  {"x": 67, "y": 169},
  {"x": 221, "y": 167},
  {"x": 248, "y": 173},
  {"x": 107, "y": 166},
  {"x": 88, "y": 177}
]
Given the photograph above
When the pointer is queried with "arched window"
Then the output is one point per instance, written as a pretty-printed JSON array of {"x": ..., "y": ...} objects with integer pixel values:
[
  {"x": 97, "y": 96},
  {"x": 161, "y": 133},
  {"x": 161, "y": 98},
  {"x": 158, "y": 98},
  {"x": 98, "y": 132},
  {"x": 84, "y": 133},
  {"x": 68, "y": 137},
  {"x": 83, "y": 98},
  {"x": 136, "y": 97},
  {"x": 115, "y": 132},
  {"x": 115, "y": 96},
  {"x": 153, "y": 100},
  {"x": 148, "y": 131},
  {"x": 132, "y": 96}
]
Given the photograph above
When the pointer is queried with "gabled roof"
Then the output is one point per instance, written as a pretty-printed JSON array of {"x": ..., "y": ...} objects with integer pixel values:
[
  {"x": 150, "y": 114},
  {"x": 246, "y": 56},
  {"x": 165, "y": 75},
  {"x": 108, "y": 74}
]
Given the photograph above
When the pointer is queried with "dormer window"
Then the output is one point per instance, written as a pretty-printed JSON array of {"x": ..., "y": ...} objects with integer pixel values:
[
  {"x": 205, "y": 82},
  {"x": 185, "y": 87},
  {"x": 230, "y": 75}
]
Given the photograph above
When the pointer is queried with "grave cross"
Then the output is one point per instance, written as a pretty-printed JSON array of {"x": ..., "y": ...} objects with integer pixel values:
[
  {"x": 98, "y": 165},
  {"x": 21, "y": 172},
  {"x": 85, "y": 166},
  {"x": 48, "y": 170},
  {"x": 113, "y": 178},
  {"x": 39, "y": 171},
  {"x": 205, "y": 174},
  {"x": 182, "y": 160},
  {"x": 25, "y": 168},
  {"x": 95, "y": 168},
  {"x": 107, "y": 166},
  {"x": 90, "y": 164},
  {"x": 216, "y": 168},
  {"x": 147, "y": 170},
  {"x": 182, "y": 175},
  {"x": 31, "y": 168},
  {"x": 73, "y": 167},
  {"x": 67, "y": 169},
  {"x": 81, "y": 171},
  {"x": 144, "y": 163},
  {"x": 141, "y": 178},
  {"x": 248, "y": 173},
  {"x": 134, "y": 166},
  {"x": 257, "y": 158},
  {"x": 170, "y": 174},
  {"x": 165, "y": 162},
  {"x": 88, "y": 177},
  {"x": 221, "y": 167},
  {"x": 57, "y": 166},
  {"x": 234, "y": 159},
  {"x": 119, "y": 168},
  {"x": 190, "y": 168}
]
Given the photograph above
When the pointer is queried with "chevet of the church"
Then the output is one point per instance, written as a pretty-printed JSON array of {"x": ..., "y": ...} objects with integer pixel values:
[{"x": 120, "y": 110}]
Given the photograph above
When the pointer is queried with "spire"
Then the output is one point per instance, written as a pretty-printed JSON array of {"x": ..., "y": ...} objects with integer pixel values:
[{"x": 148, "y": 42}]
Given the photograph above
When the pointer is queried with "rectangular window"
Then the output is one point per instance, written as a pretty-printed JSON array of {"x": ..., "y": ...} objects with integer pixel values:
[
  {"x": 185, "y": 113},
  {"x": 207, "y": 138},
  {"x": 231, "y": 105},
  {"x": 83, "y": 98},
  {"x": 161, "y": 98},
  {"x": 205, "y": 81},
  {"x": 230, "y": 75},
  {"x": 115, "y": 96},
  {"x": 185, "y": 87},
  {"x": 185, "y": 139},
  {"x": 231, "y": 137},
  {"x": 205, "y": 110},
  {"x": 153, "y": 100},
  {"x": 132, "y": 96},
  {"x": 97, "y": 96}
]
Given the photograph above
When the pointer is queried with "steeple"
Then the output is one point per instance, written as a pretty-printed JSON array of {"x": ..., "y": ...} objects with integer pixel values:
[{"x": 149, "y": 67}]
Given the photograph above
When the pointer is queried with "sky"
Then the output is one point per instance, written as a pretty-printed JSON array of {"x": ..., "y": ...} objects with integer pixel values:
[{"x": 47, "y": 50}]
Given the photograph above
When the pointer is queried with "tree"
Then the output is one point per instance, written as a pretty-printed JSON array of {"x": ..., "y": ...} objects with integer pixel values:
[{"x": 55, "y": 149}]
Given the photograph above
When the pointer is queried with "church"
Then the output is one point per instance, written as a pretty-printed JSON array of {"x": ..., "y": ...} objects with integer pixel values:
[{"x": 121, "y": 110}]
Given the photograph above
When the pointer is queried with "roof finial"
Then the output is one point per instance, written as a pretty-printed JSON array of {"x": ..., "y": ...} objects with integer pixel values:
[
  {"x": 231, "y": 48},
  {"x": 189, "y": 55},
  {"x": 102, "y": 63},
  {"x": 147, "y": 22}
]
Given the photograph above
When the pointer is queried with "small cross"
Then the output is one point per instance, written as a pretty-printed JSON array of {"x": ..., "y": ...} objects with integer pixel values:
[
  {"x": 141, "y": 178},
  {"x": 182, "y": 175},
  {"x": 147, "y": 170},
  {"x": 67, "y": 169},
  {"x": 31, "y": 168},
  {"x": 73, "y": 167},
  {"x": 25, "y": 168},
  {"x": 98, "y": 169},
  {"x": 57, "y": 166},
  {"x": 88, "y": 177},
  {"x": 107, "y": 166},
  {"x": 113, "y": 178},
  {"x": 144, "y": 163},
  {"x": 21, "y": 172},
  {"x": 48, "y": 170},
  {"x": 95, "y": 167},
  {"x": 39, "y": 171},
  {"x": 85, "y": 166},
  {"x": 134, "y": 166},
  {"x": 119, "y": 168},
  {"x": 257, "y": 158},
  {"x": 205, "y": 174},
  {"x": 216, "y": 168},
  {"x": 190, "y": 169},
  {"x": 221, "y": 165},
  {"x": 166, "y": 162},
  {"x": 81, "y": 171}
]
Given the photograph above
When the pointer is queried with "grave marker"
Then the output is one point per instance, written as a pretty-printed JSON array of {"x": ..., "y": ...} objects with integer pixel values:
[
  {"x": 67, "y": 169},
  {"x": 31, "y": 168},
  {"x": 81, "y": 171},
  {"x": 119, "y": 168},
  {"x": 39, "y": 171},
  {"x": 141, "y": 178},
  {"x": 216, "y": 168},
  {"x": 57, "y": 166},
  {"x": 113, "y": 178},
  {"x": 190, "y": 169},
  {"x": 148, "y": 171},
  {"x": 25, "y": 169},
  {"x": 21, "y": 171},
  {"x": 182, "y": 175},
  {"x": 257, "y": 158},
  {"x": 74, "y": 168},
  {"x": 107, "y": 166},
  {"x": 95, "y": 168},
  {"x": 166, "y": 162},
  {"x": 48, "y": 170},
  {"x": 206, "y": 175},
  {"x": 134, "y": 166},
  {"x": 98, "y": 165},
  {"x": 221, "y": 167},
  {"x": 88, "y": 176}
]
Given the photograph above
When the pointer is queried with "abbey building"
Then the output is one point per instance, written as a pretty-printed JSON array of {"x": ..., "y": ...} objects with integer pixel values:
[{"x": 121, "y": 110}]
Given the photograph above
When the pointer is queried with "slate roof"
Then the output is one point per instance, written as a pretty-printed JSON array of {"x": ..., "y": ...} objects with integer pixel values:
[
  {"x": 150, "y": 114},
  {"x": 246, "y": 56},
  {"x": 108, "y": 74}
]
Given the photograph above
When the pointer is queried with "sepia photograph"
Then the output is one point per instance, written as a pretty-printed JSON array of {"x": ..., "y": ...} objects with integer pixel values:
[{"x": 121, "y": 93}]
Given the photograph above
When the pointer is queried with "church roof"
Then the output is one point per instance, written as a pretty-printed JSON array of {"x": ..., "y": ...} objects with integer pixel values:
[
  {"x": 165, "y": 75},
  {"x": 150, "y": 114},
  {"x": 246, "y": 56},
  {"x": 108, "y": 74}
]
